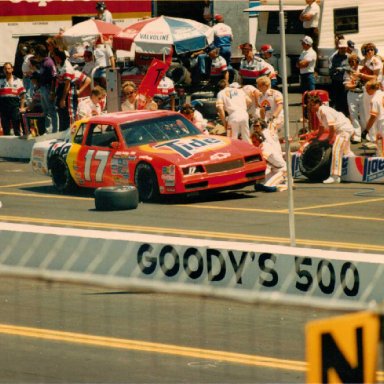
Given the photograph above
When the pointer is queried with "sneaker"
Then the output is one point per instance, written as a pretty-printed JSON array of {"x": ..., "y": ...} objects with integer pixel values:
[{"x": 332, "y": 179}]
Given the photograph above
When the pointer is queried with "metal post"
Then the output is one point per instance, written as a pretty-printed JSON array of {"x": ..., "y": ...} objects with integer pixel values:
[{"x": 291, "y": 214}]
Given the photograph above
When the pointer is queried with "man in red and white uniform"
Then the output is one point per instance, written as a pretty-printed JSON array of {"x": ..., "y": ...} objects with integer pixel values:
[
  {"x": 235, "y": 103},
  {"x": 251, "y": 66},
  {"x": 12, "y": 101},
  {"x": 165, "y": 94},
  {"x": 340, "y": 131},
  {"x": 82, "y": 83}
]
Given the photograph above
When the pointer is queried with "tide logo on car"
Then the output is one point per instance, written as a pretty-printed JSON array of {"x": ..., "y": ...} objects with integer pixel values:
[
  {"x": 188, "y": 148},
  {"x": 373, "y": 169}
]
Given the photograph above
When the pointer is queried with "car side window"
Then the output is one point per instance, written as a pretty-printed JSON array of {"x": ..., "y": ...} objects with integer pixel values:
[
  {"x": 79, "y": 134},
  {"x": 101, "y": 135}
]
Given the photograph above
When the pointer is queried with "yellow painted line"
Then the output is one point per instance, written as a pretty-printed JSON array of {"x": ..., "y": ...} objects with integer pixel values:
[
  {"x": 26, "y": 184},
  {"x": 338, "y": 216},
  {"x": 356, "y": 202},
  {"x": 166, "y": 349},
  {"x": 194, "y": 233},
  {"x": 44, "y": 196},
  {"x": 143, "y": 346}
]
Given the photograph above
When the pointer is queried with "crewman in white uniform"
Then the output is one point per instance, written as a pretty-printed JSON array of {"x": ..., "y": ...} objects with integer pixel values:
[
  {"x": 235, "y": 103},
  {"x": 340, "y": 131}
]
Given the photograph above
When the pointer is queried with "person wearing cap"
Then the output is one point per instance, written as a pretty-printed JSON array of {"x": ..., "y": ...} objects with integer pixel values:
[
  {"x": 233, "y": 102},
  {"x": 251, "y": 66},
  {"x": 310, "y": 17},
  {"x": 339, "y": 129},
  {"x": 223, "y": 38},
  {"x": 351, "y": 48},
  {"x": 266, "y": 53},
  {"x": 306, "y": 65},
  {"x": 102, "y": 12},
  {"x": 337, "y": 70}
]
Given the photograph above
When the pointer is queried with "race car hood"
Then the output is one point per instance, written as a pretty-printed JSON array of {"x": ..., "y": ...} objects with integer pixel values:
[{"x": 198, "y": 148}]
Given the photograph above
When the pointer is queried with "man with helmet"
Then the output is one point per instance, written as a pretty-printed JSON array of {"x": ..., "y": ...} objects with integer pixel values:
[{"x": 102, "y": 12}]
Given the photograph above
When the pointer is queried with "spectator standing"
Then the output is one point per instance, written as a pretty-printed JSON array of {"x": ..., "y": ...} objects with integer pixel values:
[
  {"x": 251, "y": 66},
  {"x": 375, "y": 122},
  {"x": 223, "y": 38},
  {"x": 103, "y": 58},
  {"x": 89, "y": 63},
  {"x": 235, "y": 103},
  {"x": 372, "y": 63},
  {"x": 90, "y": 106},
  {"x": 354, "y": 87},
  {"x": 310, "y": 17},
  {"x": 306, "y": 65},
  {"x": 12, "y": 101},
  {"x": 76, "y": 55},
  {"x": 102, "y": 12},
  {"x": 48, "y": 75},
  {"x": 66, "y": 97},
  {"x": 27, "y": 69},
  {"x": 337, "y": 70},
  {"x": 207, "y": 12},
  {"x": 340, "y": 131}
]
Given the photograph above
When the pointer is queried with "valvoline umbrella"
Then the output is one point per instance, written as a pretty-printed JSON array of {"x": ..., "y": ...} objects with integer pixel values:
[
  {"x": 89, "y": 31},
  {"x": 159, "y": 34}
]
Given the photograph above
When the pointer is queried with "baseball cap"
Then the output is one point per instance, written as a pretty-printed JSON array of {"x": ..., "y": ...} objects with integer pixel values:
[
  {"x": 351, "y": 44},
  {"x": 342, "y": 44},
  {"x": 219, "y": 17},
  {"x": 266, "y": 48},
  {"x": 307, "y": 40}
]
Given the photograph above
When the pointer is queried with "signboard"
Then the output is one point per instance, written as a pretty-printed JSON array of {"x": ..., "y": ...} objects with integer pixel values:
[
  {"x": 247, "y": 269},
  {"x": 343, "y": 349}
]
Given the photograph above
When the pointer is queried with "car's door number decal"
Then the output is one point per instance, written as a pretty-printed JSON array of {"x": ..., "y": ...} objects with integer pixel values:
[{"x": 101, "y": 157}]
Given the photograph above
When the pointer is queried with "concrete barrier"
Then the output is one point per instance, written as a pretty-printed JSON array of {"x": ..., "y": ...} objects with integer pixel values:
[{"x": 19, "y": 148}]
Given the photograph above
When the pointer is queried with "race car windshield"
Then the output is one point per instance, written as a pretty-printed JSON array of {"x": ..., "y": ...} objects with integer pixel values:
[{"x": 157, "y": 130}]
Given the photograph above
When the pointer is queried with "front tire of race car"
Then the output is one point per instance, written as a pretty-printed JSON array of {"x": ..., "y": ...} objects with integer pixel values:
[
  {"x": 116, "y": 198},
  {"x": 146, "y": 183},
  {"x": 315, "y": 161},
  {"x": 61, "y": 177}
]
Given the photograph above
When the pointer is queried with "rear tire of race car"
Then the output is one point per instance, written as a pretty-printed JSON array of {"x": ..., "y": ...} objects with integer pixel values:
[
  {"x": 116, "y": 198},
  {"x": 61, "y": 177},
  {"x": 315, "y": 161},
  {"x": 146, "y": 183}
]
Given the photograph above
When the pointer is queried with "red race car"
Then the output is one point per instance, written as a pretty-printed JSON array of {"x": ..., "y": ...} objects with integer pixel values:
[{"x": 160, "y": 152}]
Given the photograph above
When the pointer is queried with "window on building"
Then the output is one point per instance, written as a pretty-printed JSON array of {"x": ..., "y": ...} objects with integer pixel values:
[
  {"x": 293, "y": 25},
  {"x": 346, "y": 20}
]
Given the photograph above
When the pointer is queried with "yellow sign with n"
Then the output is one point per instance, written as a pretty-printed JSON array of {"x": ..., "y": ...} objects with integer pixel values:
[{"x": 343, "y": 349}]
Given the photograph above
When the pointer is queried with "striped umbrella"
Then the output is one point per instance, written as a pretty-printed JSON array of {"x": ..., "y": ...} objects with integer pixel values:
[{"x": 159, "y": 34}]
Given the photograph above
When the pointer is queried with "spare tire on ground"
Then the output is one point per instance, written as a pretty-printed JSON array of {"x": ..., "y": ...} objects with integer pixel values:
[
  {"x": 202, "y": 95},
  {"x": 315, "y": 160},
  {"x": 116, "y": 198}
]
